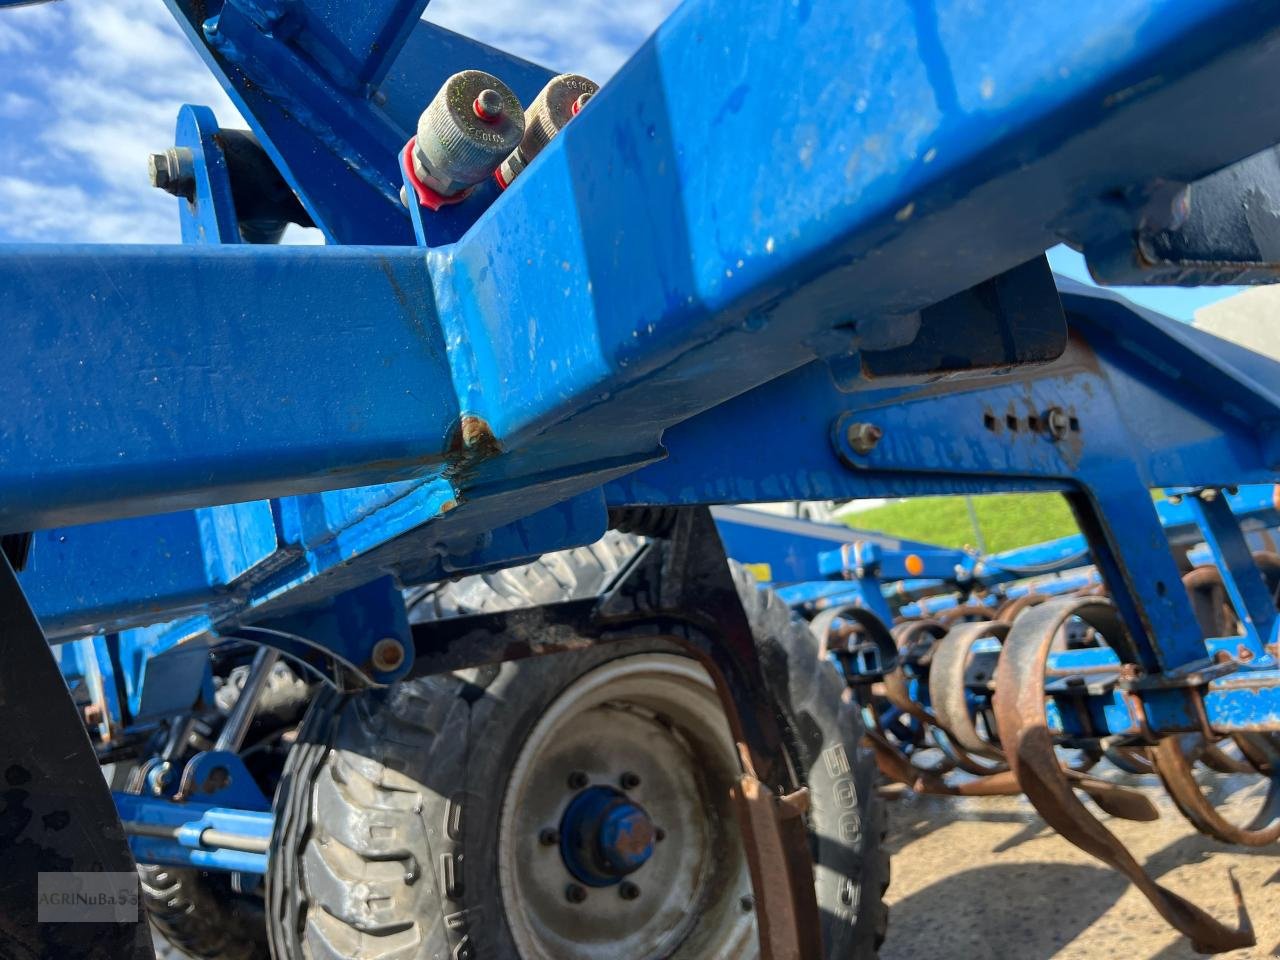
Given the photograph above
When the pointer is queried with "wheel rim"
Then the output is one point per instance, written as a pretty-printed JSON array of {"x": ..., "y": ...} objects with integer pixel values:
[{"x": 650, "y": 736}]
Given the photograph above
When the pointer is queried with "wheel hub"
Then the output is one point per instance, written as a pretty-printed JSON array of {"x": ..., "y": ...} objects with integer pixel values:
[
  {"x": 604, "y": 836},
  {"x": 618, "y": 839}
]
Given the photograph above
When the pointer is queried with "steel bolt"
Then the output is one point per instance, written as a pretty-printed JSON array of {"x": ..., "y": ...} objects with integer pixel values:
[
  {"x": 388, "y": 655},
  {"x": 173, "y": 171},
  {"x": 1057, "y": 422},
  {"x": 863, "y": 437},
  {"x": 748, "y": 903},
  {"x": 628, "y": 890},
  {"x": 629, "y": 781},
  {"x": 577, "y": 780},
  {"x": 488, "y": 105},
  {"x": 548, "y": 837},
  {"x": 574, "y": 893}
]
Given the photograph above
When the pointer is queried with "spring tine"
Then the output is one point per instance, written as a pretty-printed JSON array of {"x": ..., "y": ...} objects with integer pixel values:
[
  {"x": 898, "y": 693},
  {"x": 1115, "y": 800},
  {"x": 1175, "y": 772},
  {"x": 947, "y": 685},
  {"x": 1020, "y": 712},
  {"x": 896, "y": 766},
  {"x": 1213, "y": 758}
]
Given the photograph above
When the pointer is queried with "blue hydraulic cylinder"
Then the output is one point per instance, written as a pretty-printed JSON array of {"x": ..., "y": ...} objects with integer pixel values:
[{"x": 193, "y": 834}]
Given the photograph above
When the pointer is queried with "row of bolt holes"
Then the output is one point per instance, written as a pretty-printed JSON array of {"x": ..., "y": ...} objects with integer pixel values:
[{"x": 1034, "y": 423}]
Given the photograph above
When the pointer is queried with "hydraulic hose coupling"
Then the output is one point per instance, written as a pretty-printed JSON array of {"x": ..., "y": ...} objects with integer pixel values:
[
  {"x": 557, "y": 104},
  {"x": 471, "y": 124}
]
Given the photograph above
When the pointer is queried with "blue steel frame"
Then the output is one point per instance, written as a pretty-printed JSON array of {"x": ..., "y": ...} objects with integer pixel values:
[{"x": 683, "y": 300}]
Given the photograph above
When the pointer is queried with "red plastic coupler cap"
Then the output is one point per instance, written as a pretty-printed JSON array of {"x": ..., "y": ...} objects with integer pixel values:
[{"x": 426, "y": 196}]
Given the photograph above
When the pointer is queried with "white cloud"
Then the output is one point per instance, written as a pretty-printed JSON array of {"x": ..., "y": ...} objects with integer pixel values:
[
  {"x": 15, "y": 104},
  {"x": 30, "y": 210},
  {"x": 14, "y": 38},
  {"x": 591, "y": 37}
]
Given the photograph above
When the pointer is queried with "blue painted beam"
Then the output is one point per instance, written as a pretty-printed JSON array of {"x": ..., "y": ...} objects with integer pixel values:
[
  {"x": 156, "y": 378},
  {"x": 701, "y": 258},
  {"x": 788, "y": 546}
]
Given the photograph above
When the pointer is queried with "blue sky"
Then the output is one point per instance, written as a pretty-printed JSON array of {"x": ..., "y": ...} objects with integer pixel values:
[{"x": 89, "y": 87}]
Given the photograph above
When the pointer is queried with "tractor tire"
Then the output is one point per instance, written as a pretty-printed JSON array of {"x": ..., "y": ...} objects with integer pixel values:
[
  {"x": 197, "y": 914},
  {"x": 418, "y": 823}
]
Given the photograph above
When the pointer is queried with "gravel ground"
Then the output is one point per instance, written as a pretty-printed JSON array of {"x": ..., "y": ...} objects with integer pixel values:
[{"x": 985, "y": 878}]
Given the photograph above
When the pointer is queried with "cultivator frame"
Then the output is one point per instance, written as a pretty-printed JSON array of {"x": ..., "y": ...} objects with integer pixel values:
[{"x": 703, "y": 291}]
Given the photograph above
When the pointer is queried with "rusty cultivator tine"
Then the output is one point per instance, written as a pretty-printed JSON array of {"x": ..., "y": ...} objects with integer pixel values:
[
  {"x": 1029, "y": 747},
  {"x": 947, "y": 677}
]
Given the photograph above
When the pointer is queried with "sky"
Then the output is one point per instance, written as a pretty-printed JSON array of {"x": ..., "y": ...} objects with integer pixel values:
[{"x": 88, "y": 88}]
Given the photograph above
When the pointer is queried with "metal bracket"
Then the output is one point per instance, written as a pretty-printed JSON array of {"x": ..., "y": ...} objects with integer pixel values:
[{"x": 359, "y": 638}]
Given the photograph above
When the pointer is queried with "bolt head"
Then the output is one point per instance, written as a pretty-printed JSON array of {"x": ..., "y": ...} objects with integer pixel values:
[
  {"x": 574, "y": 893},
  {"x": 1057, "y": 422},
  {"x": 577, "y": 780},
  {"x": 548, "y": 837},
  {"x": 629, "y": 780},
  {"x": 628, "y": 890},
  {"x": 388, "y": 655},
  {"x": 158, "y": 170},
  {"x": 747, "y": 903}
]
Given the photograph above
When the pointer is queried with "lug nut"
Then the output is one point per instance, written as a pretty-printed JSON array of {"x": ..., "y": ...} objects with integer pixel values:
[
  {"x": 628, "y": 890},
  {"x": 577, "y": 780},
  {"x": 548, "y": 837},
  {"x": 629, "y": 781},
  {"x": 574, "y": 893},
  {"x": 388, "y": 655}
]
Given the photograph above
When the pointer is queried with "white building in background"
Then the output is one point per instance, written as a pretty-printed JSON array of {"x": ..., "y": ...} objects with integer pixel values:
[{"x": 1251, "y": 319}]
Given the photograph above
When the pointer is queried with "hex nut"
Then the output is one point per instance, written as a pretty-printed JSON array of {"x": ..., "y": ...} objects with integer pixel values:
[
  {"x": 173, "y": 171},
  {"x": 863, "y": 437},
  {"x": 1057, "y": 422}
]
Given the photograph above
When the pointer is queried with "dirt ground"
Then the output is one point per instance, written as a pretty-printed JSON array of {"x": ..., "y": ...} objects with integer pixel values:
[{"x": 985, "y": 878}]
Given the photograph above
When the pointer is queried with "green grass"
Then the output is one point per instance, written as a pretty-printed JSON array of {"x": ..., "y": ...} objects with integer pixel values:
[{"x": 1006, "y": 520}]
